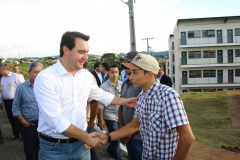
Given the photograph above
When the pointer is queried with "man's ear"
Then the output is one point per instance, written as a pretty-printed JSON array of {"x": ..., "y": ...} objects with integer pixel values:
[
  {"x": 150, "y": 74},
  {"x": 65, "y": 50}
]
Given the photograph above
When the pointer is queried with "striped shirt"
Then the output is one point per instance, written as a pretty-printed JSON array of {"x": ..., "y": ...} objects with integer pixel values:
[{"x": 160, "y": 110}]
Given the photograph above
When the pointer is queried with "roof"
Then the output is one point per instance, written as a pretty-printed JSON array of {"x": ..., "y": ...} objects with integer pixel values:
[{"x": 208, "y": 18}]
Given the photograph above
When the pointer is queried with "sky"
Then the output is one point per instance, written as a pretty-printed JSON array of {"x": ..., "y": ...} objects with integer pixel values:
[{"x": 33, "y": 28}]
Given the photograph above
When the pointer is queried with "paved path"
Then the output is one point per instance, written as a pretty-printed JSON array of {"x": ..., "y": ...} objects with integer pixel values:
[
  {"x": 234, "y": 110},
  {"x": 203, "y": 152}
]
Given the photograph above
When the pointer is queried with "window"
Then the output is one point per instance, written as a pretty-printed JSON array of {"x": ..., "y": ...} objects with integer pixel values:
[
  {"x": 208, "y": 33},
  {"x": 195, "y": 90},
  {"x": 194, "y": 54},
  {"x": 237, "y": 72},
  {"x": 237, "y": 52},
  {"x": 172, "y": 45},
  {"x": 209, "y": 54},
  {"x": 173, "y": 58},
  {"x": 173, "y": 69},
  {"x": 237, "y": 31},
  {"x": 195, "y": 74},
  {"x": 209, "y": 90},
  {"x": 194, "y": 34},
  {"x": 209, "y": 73}
]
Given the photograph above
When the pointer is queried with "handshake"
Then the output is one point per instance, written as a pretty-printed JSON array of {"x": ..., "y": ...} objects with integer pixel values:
[{"x": 96, "y": 140}]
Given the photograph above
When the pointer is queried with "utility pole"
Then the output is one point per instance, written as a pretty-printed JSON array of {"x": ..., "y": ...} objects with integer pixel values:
[
  {"x": 131, "y": 23},
  {"x": 147, "y": 43},
  {"x": 19, "y": 57}
]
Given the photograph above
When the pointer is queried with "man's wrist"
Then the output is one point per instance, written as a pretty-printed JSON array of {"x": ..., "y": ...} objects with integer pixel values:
[{"x": 109, "y": 137}]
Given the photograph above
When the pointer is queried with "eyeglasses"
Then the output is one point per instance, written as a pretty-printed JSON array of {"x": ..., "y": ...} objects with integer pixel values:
[{"x": 118, "y": 91}]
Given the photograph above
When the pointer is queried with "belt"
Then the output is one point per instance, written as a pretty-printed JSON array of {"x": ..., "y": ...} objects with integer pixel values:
[{"x": 70, "y": 140}]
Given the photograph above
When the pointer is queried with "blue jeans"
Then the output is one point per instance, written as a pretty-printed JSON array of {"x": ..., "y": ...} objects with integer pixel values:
[
  {"x": 63, "y": 151},
  {"x": 135, "y": 149},
  {"x": 1, "y": 137},
  {"x": 30, "y": 141},
  {"x": 114, "y": 146},
  {"x": 93, "y": 151}
]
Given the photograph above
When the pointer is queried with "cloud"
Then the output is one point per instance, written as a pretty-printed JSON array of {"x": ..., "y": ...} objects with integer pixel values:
[
  {"x": 172, "y": 1},
  {"x": 37, "y": 26}
]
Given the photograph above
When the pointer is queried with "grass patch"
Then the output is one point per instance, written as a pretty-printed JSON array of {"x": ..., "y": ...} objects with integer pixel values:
[
  {"x": 208, "y": 114},
  {"x": 23, "y": 69}
]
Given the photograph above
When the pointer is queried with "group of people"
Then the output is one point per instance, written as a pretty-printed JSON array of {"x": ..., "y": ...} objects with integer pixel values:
[{"x": 138, "y": 110}]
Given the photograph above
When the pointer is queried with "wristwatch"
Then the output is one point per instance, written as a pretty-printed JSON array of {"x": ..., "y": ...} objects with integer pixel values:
[{"x": 109, "y": 137}]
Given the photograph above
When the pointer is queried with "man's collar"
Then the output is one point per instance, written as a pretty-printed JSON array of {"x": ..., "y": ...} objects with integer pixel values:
[
  {"x": 110, "y": 82},
  {"x": 29, "y": 83},
  {"x": 60, "y": 69},
  {"x": 151, "y": 90},
  {"x": 9, "y": 74}
]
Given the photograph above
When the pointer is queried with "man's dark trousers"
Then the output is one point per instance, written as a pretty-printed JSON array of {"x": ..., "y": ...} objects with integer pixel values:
[
  {"x": 15, "y": 123},
  {"x": 30, "y": 141}
]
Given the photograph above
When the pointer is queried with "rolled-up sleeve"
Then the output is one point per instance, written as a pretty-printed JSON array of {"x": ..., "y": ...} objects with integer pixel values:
[
  {"x": 100, "y": 95},
  {"x": 49, "y": 104}
]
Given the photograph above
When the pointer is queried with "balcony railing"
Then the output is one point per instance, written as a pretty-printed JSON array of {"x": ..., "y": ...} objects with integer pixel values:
[
  {"x": 211, "y": 80},
  {"x": 211, "y": 40},
  {"x": 217, "y": 60}
]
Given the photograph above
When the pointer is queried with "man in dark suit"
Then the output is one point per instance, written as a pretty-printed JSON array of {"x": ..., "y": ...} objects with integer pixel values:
[
  {"x": 98, "y": 73},
  {"x": 163, "y": 78},
  {"x": 105, "y": 70}
]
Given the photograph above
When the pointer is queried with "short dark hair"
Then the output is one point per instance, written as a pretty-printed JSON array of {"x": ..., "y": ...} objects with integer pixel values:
[
  {"x": 15, "y": 66},
  {"x": 144, "y": 71},
  {"x": 68, "y": 39},
  {"x": 96, "y": 64},
  {"x": 113, "y": 66},
  {"x": 85, "y": 65},
  {"x": 106, "y": 65},
  {"x": 160, "y": 66}
]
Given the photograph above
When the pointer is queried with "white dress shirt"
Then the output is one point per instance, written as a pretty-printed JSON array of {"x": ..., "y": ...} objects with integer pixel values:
[
  {"x": 8, "y": 86},
  {"x": 62, "y": 99},
  {"x": 99, "y": 76},
  {"x": 20, "y": 76}
]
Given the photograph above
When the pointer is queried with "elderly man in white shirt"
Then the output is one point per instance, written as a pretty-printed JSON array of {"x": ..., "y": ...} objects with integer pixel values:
[
  {"x": 62, "y": 92},
  {"x": 20, "y": 76},
  {"x": 9, "y": 83}
]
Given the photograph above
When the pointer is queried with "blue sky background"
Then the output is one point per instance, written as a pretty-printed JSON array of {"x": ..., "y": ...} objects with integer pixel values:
[{"x": 34, "y": 28}]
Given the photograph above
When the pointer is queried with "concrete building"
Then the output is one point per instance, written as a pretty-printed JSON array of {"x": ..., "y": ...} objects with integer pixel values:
[{"x": 204, "y": 54}]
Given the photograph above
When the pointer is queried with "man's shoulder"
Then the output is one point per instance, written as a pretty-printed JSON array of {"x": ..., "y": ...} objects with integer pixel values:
[
  {"x": 105, "y": 84},
  {"x": 120, "y": 82},
  {"x": 22, "y": 85},
  {"x": 93, "y": 72}
]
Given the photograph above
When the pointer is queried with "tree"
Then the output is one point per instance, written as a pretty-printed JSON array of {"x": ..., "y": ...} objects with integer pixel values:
[{"x": 110, "y": 57}]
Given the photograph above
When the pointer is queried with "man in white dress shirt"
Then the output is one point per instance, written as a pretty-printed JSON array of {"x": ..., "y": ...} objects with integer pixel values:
[
  {"x": 16, "y": 70},
  {"x": 62, "y": 92},
  {"x": 9, "y": 83}
]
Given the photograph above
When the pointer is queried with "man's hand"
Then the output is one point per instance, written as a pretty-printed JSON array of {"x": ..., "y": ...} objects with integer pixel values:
[
  {"x": 101, "y": 124},
  {"x": 96, "y": 140},
  {"x": 90, "y": 125},
  {"x": 131, "y": 102},
  {"x": 26, "y": 123},
  {"x": 126, "y": 139},
  {"x": 1, "y": 106}
]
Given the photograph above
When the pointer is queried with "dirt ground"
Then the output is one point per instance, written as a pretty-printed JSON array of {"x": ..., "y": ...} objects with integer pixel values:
[{"x": 234, "y": 110}]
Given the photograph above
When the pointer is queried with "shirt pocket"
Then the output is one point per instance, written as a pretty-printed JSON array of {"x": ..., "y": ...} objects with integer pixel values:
[{"x": 155, "y": 122}]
